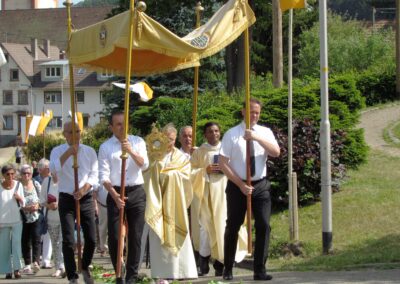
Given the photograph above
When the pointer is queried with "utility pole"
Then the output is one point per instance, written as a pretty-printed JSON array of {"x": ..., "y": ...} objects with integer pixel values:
[
  {"x": 277, "y": 79},
  {"x": 325, "y": 134},
  {"x": 398, "y": 49}
]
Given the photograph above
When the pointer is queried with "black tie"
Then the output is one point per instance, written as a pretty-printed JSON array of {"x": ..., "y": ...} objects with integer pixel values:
[{"x": 252, "y": 159}]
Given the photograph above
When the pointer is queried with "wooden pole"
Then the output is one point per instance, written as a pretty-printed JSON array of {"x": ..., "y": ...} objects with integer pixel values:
[
  {"x": 124, "y": 155},
  {"x": 68, "y": 4},
  {"x": 277, "y": 78},
  {"x": 198, "y": 9},
  {"x": 248, "y": 171}
]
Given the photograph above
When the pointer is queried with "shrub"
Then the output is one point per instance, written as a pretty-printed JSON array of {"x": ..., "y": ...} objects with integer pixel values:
[
  {"x": 377, "y": 86},
  {"x": 34, "y": 151},
  {"x": 306, "y": 162},
  {"x": 351, "y": 46}
]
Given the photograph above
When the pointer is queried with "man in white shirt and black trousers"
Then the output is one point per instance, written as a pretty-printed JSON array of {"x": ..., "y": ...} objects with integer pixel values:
[
  {"x": 135, "y": 203},
  {"x": 61, "y": 163},
  {"x": 232, "y": 160}
]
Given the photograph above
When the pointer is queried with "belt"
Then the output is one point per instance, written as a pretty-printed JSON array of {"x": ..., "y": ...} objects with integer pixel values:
[
  {"x": 128, "y": 188},
  {"x": 255, "y": 181},
  {"x": 101, "y": 204}
]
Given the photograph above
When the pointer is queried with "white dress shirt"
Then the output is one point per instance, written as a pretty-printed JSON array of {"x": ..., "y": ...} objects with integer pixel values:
[
  {"x": 9, "y": 209},
  {"x": 87, "y": 168},
  {"x": 110, "y": 162},
  {"x": 234, "y": 148}
]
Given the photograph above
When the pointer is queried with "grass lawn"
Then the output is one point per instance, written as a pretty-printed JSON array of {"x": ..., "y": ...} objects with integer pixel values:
[{"x": 366, "y": 229}]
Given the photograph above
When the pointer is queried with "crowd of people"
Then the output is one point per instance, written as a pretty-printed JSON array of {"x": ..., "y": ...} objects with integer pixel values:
[{"x": 190, "y": 203}]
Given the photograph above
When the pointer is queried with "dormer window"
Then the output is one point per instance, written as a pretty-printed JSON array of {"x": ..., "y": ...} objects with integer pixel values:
[
  {"x": 53, "y": 72},
  {"x": 105, "y": 74}
]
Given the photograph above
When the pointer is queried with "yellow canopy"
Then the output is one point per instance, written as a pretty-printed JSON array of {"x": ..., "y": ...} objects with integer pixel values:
[{"x": 156, "y": 49}]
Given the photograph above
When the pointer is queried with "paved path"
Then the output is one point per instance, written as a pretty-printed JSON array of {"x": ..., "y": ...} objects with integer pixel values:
[
  {"x": 374, "y": 121},
  {"x": 6, "y": 154}
]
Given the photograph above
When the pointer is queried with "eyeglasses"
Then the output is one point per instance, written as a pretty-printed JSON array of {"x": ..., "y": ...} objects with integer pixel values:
[
  {"x": 26, "y": 173},
  {"x": 9, "y": 174}
]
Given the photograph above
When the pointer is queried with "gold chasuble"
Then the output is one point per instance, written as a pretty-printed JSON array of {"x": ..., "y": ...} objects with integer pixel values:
[
  {"x": 209, "y": 189},
  {"x": 169, "y": 193}
]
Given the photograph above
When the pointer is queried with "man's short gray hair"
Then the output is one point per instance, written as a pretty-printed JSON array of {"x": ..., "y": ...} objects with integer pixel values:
[
  {"x": 43, "y": 163},
  {"x": 183, "y": 128}
]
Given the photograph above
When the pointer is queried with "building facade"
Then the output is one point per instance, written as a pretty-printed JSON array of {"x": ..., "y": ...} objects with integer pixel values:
[{"x": 36, "y": 79}]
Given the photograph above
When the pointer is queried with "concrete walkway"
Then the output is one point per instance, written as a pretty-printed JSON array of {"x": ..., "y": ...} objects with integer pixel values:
[
  {"x": 245, "y": 276},
  {"x": 6, "y": 154}
]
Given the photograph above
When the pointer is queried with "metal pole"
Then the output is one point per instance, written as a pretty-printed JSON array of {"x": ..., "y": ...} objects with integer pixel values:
[
  {"x": 124, "y": 155},
  {"x": 325, "y": 139},
  {"x": 290, "y": 143},
  {"x": 198, "y": 9},
  {"x": 68, "y": 4},
  {"x": 248, "y": 172}
]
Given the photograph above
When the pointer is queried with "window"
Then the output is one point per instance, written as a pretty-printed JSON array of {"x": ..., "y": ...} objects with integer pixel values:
[
  {"x": 56, "y": 122},
  {"x": 103, "y": 96},
  {"x": 14, "y": 75},
  {"x": 53, "y": 97},
  {"x": 8, "y": 122},
  {"x": 23, "y": 97},
  {"x": 85, "y": 120},
  {"x": 80, "y": 97},
  {"x": 53, "y": 72},
  {"x": 7, "y": 98},
  {"x": 106, "y": 73}
]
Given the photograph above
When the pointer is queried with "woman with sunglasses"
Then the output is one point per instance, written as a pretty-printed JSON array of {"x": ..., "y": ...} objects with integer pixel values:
[
  {"x": 11, "y": 198},
  {"x": 31, "y": 246}
]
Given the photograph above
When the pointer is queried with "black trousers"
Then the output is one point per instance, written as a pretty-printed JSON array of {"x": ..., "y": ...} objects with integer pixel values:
[
  {"x": 31, "y": 239},
  {"x": 237, "y": 207},
  {"x": 134, "y": 212},
  {"x": 66, "y": 208}
]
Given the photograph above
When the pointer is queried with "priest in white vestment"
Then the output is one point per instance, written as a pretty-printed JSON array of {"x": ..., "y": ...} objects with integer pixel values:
[
  {"x": 169, "y": 193},
  {"x": 209, "y": 185}
]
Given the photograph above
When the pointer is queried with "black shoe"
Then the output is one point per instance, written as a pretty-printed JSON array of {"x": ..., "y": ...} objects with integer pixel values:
[
  {"x": 120, "y": 281},
  {"x": 9, "y": 276},
  {"x": 218, "y": 268},
  {"x": 204, "y": 265},
  {"x": 131, "y": 280},
  {"x": 87, "y": 277},
  {"x": 227, "y": 274},
  {"x": 262, "y": 276}
]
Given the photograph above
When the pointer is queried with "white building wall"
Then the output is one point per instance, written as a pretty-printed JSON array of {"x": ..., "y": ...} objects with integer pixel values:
[
  {"x": 90, "y": 107},
  {"x": 6, "y": 85}
]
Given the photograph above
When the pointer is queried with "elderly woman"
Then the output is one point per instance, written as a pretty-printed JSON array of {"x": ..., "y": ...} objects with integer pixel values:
[
  {"x": 11, "y": 198},
  {"x": 49, "y": 200},
  {"x": 31, "y": 246}
]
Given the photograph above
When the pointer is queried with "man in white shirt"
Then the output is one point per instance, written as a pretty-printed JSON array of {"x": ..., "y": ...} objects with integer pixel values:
[
  {"x": 135, "y": 201},
  {"x": 61, "y": 163},
  {"x": 232, "y": 160}
]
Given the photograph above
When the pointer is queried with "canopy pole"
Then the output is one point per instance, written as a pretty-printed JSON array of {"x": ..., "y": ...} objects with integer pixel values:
[
  {"x": 248, "y": 171},
  {"x": 68, "y": 4},
  {"x": 124, "y": 155},
  {"x": 198, "y": 9}
]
